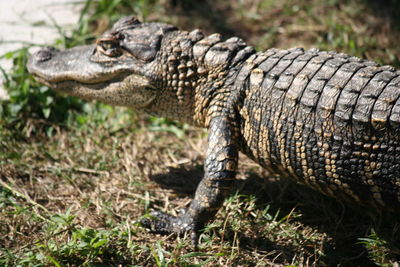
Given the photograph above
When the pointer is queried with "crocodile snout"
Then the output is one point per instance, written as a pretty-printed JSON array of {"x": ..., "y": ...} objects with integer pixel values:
[
  {"x": 42, "y": 61},
  {"x": 50, "y": 65},
  {"x": 44, "y": 54}
]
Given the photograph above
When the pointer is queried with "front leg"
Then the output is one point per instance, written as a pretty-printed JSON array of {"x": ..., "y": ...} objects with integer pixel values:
[{"x": 220, "y": 169}]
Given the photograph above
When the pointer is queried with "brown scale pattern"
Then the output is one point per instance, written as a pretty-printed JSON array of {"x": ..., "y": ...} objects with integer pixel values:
[{"x": 329, "y": 120}]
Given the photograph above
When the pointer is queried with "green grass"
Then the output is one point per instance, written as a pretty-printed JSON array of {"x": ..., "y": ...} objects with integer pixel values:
[{"x": 76, "y": 177}]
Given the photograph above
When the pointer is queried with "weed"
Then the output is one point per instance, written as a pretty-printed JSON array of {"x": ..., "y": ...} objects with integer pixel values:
[{"x": 78, "y": 177}]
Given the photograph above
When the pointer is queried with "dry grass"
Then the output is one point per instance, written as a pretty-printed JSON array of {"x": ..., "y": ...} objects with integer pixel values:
[
  {"x": 74, "y": 198},
  {"x": 109, "y": 181}
]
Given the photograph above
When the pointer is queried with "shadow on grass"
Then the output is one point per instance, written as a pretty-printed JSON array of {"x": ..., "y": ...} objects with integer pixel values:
[
  {"x": 217, "y": 14},
  {"x": 386, "y": 8},
  {"x": 343, "y": 224},
  {"x": 196, "y": 12}
]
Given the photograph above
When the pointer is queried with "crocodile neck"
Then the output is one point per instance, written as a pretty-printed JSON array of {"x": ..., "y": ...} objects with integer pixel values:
[{"x": 198, "y": 74}]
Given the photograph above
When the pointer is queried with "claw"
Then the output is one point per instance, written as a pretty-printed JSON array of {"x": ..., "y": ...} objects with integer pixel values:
[
  {"x": 194, "y": 237},
  {"x": 159, "y": 222},
  {"x": 162, "y": 223}
]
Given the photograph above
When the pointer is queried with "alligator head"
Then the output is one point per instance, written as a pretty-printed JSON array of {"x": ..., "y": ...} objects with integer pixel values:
[
  {"x": 119, "y": 69},
  {"x": 152, "y": 66}
]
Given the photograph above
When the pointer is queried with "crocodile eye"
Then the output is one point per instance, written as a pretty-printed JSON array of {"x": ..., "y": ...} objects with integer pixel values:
[{"x": 109, "y": 47}]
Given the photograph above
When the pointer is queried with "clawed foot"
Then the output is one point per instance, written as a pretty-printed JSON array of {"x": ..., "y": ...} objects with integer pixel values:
[{"x": 162, "y": 223}]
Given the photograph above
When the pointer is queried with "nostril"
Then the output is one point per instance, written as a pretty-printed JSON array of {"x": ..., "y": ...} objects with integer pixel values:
[{"x": 44, "y": 54}]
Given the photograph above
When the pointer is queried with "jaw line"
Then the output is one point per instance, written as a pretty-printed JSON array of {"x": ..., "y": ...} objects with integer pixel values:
[
  {"x": 110, "y": 77},
  {"x": 95, "y": 85},
  {"x": 69, "y": 86}
]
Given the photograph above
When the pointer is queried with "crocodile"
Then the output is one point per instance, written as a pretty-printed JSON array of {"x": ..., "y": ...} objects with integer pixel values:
[{"x": 328, "y": 120}]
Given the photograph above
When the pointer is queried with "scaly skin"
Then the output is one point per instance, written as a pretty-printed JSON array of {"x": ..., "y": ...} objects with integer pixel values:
[{"x": 328, "y": 120}]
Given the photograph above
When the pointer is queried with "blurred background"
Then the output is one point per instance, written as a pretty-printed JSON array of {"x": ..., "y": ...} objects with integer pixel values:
[{"x": 365, "y": 28}]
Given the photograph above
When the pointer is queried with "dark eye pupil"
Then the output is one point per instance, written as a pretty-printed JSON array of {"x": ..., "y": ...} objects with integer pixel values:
[
  {"x": 107, "y": 45},
  {"x": 110, "y": 48}
]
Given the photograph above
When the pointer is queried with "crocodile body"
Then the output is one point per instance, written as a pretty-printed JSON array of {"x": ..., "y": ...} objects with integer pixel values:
[{"x": 328, "y": 120}]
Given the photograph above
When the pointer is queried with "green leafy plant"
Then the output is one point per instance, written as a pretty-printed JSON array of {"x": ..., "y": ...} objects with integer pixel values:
[{"x": 31, "y": 101}]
